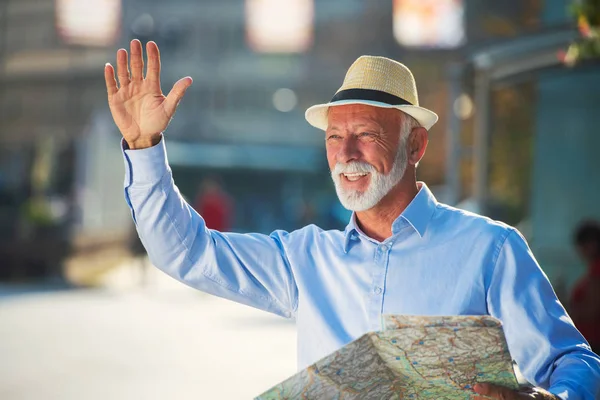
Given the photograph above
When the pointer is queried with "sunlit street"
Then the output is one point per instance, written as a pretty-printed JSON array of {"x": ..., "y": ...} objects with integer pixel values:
[{"x": 123, "y": 342}]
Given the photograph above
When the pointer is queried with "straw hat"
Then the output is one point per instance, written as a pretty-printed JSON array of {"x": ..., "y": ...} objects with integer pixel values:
[{"x": 379, "y": 82}]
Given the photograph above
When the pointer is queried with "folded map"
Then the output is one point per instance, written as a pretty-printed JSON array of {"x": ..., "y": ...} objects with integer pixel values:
[{"x": 413, "y": 357}]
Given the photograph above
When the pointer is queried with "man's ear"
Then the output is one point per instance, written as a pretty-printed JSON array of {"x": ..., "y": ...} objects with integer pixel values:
[{"x": 417, "y": 144}]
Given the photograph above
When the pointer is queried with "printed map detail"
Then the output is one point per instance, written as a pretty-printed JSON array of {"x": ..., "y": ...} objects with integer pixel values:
[{"x": 413, "y": 358}]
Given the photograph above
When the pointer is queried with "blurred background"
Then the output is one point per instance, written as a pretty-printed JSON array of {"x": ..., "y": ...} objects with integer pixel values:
[{"x": 82, "y": 315}]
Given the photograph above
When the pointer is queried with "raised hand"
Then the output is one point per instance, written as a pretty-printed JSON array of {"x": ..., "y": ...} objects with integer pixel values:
[{"x": 138, "y": 106}]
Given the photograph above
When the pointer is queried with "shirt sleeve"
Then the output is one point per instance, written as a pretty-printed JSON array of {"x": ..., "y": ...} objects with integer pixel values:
[
  {"x": 252, "y": 269},
  {"x": 541, "y": 337}
]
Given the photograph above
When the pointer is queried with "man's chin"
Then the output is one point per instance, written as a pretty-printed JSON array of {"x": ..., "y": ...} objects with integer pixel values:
[{"x": 356, "y": 202}]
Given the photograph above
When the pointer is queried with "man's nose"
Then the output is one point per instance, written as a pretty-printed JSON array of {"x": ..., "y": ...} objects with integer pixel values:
[{"x": 348, "y": 150}]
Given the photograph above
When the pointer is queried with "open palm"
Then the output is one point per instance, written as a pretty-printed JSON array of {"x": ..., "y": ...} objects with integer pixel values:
[{"x": 138, "y": 106}]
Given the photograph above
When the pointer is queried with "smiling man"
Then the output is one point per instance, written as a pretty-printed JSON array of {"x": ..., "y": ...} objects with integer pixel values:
[{"x": 402, "y": 252}]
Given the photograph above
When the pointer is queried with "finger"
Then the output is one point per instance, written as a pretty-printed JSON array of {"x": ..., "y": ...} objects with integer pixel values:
[
  {"x": 137, "y": 61},
  {"x": 153, "y": 74},
  {"x": 122, "y": 67},
  {"x": 109, "y": 77},
  {"x": 176, "y": 94}
]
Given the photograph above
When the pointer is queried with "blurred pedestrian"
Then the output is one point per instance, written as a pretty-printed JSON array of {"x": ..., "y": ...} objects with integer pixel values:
[
  {"x": 215, "y": 205},
  {"x": 585, "y": 298}
]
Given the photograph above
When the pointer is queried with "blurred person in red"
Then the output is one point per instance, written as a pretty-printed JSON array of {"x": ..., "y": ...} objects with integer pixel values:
[
  {"x": 214, "y": 205},
  {"x": 585, "y": 298}
]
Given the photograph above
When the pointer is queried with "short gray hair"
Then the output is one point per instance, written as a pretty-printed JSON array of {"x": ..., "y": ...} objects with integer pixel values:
[{"x": 406, "y": 126}]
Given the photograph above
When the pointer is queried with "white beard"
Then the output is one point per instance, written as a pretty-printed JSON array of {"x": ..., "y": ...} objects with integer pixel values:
[{"x": 379, "y": 184}]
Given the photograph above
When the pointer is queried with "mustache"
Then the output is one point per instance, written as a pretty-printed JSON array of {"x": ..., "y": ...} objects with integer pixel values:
[{"x": 352, "y": 168}]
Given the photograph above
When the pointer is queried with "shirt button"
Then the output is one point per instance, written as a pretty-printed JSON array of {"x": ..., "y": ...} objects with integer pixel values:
[
  {"x": 384, "y": 247},
  {"x": 377, "y": 290}
]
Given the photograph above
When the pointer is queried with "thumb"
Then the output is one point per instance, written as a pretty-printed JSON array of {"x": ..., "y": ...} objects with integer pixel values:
[
  {"x": 176, "y": 94},
  {"x": 482, "y": 388},
  {"x": 492, "y": 391}
]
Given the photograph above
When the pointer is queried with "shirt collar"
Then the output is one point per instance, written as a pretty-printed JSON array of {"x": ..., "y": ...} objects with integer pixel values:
[
  {"x": 417, "y": 214},
  {"x": 351, "y": 231}
]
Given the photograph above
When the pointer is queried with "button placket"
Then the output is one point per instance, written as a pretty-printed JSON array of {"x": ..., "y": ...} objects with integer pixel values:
[{"x": 378, "y": 284}]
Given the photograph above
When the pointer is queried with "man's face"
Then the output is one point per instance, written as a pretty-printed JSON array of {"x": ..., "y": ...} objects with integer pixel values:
[{"x": 365, "y": 153}]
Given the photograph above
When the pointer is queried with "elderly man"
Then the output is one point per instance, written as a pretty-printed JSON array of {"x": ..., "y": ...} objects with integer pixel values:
[{"x": 402, "y": 252}]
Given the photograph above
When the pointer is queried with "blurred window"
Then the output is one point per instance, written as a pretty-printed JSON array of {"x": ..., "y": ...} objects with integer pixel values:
[
  {"x": 89, "y": 22},
  {"x": 429, "y": 23},
  {"x": 275, "y": 26}
]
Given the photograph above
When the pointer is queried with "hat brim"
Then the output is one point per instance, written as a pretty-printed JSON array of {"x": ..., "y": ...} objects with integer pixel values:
[{"x": 317, "y": 114}]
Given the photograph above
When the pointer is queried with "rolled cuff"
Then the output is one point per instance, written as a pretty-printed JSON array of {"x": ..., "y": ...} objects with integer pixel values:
[{"x": 145, "y": 166}]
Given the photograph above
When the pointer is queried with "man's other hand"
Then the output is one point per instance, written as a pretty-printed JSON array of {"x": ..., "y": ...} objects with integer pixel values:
[{"x": 489, "y": 391}]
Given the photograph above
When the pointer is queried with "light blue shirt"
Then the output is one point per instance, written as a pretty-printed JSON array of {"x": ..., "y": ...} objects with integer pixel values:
[{"x": 336, "y": 284}]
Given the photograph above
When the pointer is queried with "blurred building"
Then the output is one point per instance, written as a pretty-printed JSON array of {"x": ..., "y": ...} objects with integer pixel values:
[
  {"x": 242, "y": 120},
  {"x": 488, "y": 69},
  {"x": 526, "y": 155},
  {"x": 56, "y": 199}
]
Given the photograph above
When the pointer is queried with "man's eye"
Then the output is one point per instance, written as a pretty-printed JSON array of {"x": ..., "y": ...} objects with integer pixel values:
[
  {"x": 365, "y": 134},
  {"x": 333, "y": 137}
]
